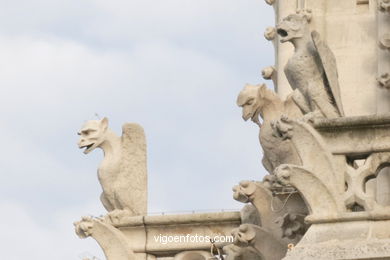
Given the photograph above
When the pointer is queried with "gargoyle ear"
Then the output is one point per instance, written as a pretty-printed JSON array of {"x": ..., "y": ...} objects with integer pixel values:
[
  {"x": 104, "y": 123},
  {"x": 262, "y": 89}
]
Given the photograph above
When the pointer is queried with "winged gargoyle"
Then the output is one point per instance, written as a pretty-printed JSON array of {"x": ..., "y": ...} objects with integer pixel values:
[
  {"x": 312, "y": 69},
  {"x": 122, "y": 173},
  {"x": 258, "y": 101}
]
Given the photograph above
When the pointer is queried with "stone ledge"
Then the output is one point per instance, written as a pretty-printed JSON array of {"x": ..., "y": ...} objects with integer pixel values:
[
  {"x": 355, "y": 136},
  {"x": 141, "y": 231},
  {"x": 346, "y": 250},
  {"x": 336, "y": 124},
  {"x": 197, "y": 218}
]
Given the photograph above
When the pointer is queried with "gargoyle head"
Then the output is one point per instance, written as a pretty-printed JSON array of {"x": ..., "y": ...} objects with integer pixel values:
[
  {"x": 92, "y": 134},
  {"x": 244, "y": 235},
  {"x": 293, "y": 26},
  {"x": 251, "y": 99},
  {"x": 244, "y": 190}
]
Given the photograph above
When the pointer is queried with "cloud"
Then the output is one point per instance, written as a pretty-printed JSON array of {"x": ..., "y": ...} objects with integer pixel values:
[
  {"x": 229, "y": 30},
  {"x": 62, "y": 84}
]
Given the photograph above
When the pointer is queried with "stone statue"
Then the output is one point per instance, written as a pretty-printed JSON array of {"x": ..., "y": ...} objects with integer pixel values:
[
  {"x": 267, "y": 246},
  {"x": 259, "y": 101},
  {"x": 312, "y": 69},
  {"x": 122, "y": 173}
]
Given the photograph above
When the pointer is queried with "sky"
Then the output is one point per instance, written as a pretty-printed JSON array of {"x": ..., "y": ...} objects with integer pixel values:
[{"x": 173, "y": 66}]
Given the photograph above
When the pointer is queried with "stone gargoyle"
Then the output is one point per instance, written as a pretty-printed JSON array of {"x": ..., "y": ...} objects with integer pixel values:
[
  {"x": 312, "y": 69},
  {"x": 258, "y": 101},
  {"x": 122, "y": 173},
  {"x": 270, "y": 223}
]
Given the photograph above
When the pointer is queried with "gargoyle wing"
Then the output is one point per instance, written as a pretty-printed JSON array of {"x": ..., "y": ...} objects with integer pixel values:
[
  {"x": 298, "y": 98},
  {"x": 328, "y": 61},
  {"x": 133, "y": 168},
  {"x": 133, "y": 145}
]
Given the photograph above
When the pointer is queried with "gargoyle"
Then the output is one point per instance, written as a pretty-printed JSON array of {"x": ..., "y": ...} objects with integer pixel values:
[
  {"x": 259, "y": 240},
  {"x": 122, "y": 173},
  {"x": 312, "y": 69},
  {"x": 113, "y": 242},
  {"x": 259, "y": 101},
  {"x": 272, "y": 205}
]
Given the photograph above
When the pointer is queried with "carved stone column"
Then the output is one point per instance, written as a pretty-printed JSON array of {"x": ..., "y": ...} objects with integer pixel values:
[
  {"x": 383, "y": 93},
  {"x": 283, "y": 51}
]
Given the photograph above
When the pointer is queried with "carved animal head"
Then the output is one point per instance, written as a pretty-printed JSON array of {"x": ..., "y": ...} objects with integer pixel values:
[
  {"x": 244, "y": 235},
  {"x": 252, "y": 99},
  {"x": 92, "y": 134},
  {"x": 293, "y": 26}
]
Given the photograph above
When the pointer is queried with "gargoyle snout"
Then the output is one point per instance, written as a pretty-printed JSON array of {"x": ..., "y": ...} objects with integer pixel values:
[
  {"x": 80, "y": 142},
  {"x": 245, "y": 117},
  {"x": 247, "y": 113},
  {"x": 281, "y": 31}
]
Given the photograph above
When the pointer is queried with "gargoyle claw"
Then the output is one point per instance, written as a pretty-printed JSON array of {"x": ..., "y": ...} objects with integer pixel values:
[
  {"x": 84, "y": 227},
  {"x": 282, "y": 128},
  {"x": 283, "y": 174}
]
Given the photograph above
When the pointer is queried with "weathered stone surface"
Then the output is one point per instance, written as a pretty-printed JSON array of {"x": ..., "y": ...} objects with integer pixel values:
[
  {"x": 258, "y": 101},
  {"x": 258, "y": 238},
  {"x": 338, "y": 212},
  {"x": 142, "y": 231},
  {"x": 249, "y": 215},
  {"x": 114, "y": 244},
  {"x": 348, "y": 240}
]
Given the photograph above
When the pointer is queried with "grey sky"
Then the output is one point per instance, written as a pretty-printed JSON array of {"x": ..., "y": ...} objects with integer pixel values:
[{"x": 174, "y": 66}]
